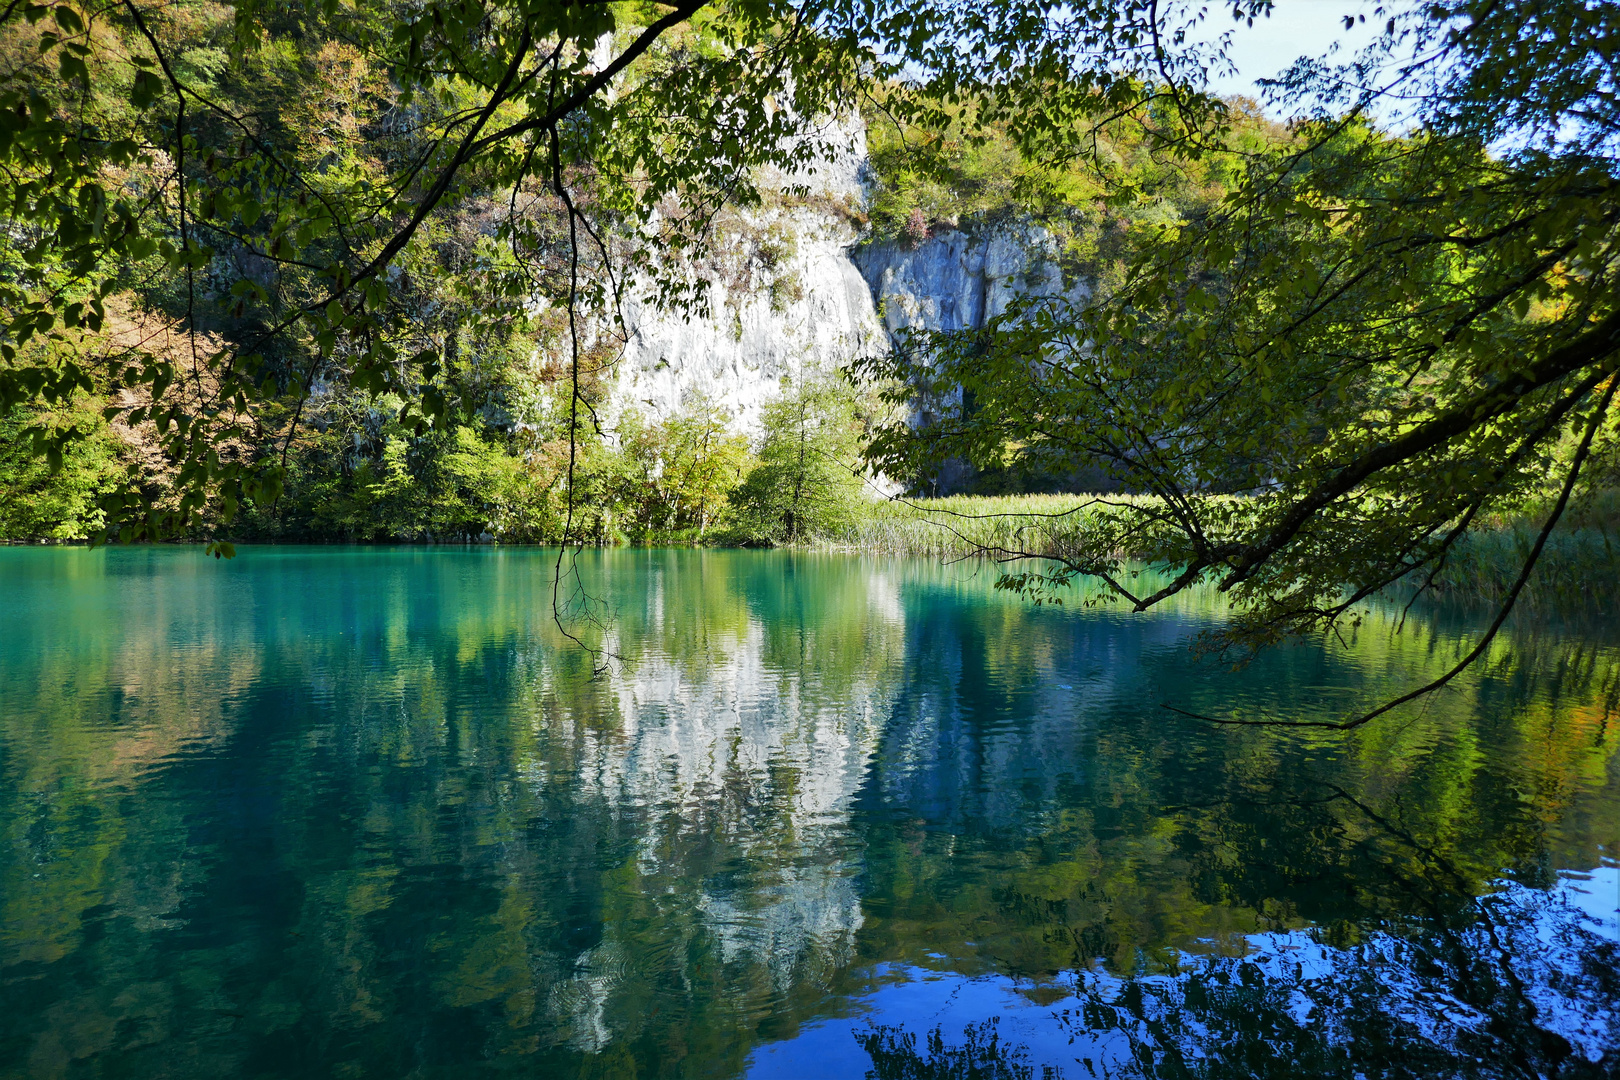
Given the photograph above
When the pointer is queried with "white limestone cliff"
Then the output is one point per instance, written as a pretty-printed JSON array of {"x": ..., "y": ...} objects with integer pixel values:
[
  {"x": 954, "y": 280},
  {"x": 796, "y": 289}
]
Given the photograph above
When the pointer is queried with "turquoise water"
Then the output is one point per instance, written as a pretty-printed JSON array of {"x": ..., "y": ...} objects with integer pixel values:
[{"x": 367, "y": 812}]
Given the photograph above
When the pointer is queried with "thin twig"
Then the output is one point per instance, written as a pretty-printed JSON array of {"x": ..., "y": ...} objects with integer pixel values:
[{"x": 1484, "y": 642}]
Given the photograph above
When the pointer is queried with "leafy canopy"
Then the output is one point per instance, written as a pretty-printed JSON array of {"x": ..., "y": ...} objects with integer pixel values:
[
  {"x": 1371, "y": 342},
  {"x": 269, "y": 174}
]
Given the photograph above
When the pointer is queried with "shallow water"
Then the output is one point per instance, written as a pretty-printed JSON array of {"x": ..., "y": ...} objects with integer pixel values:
[{"x": 366, "y": 812}]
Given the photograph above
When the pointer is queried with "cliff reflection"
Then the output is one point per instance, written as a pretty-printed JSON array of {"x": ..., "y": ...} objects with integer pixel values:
[{"x": 369, "y": 812}]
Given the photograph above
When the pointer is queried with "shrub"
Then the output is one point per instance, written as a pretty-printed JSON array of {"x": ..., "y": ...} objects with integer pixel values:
[
  {"x": 678, "y": 473},
  {"x": 807, "y": 482},
  {"x": 38, "y": 503}
]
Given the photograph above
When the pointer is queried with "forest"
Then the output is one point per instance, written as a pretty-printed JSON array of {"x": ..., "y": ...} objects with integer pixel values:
[
  {"x": 355, "y": 471},
  {"x": 357, "y": 273},
  {"x": 876, "y": 539}
]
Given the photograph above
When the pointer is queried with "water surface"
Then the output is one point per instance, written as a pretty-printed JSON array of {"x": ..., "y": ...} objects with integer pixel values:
[{"x": 367, "y": 812}]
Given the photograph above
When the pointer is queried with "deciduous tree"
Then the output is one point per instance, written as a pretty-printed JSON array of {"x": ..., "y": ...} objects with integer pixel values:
[{"x": 1371, "y": 342}]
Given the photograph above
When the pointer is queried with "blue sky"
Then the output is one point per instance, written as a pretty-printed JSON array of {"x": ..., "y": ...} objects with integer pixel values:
[{"x": 1296, "y": 28}]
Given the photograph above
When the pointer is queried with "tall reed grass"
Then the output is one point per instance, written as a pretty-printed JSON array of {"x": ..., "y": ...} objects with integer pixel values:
[
  {"x": 1579, "y": 567},
  {"x": 960, "y": 525}
]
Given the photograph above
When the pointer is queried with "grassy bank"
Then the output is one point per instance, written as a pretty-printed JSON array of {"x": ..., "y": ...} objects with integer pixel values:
[
  {"x": 959, "y": 525},
  {"x": 1579, "y": 567}
]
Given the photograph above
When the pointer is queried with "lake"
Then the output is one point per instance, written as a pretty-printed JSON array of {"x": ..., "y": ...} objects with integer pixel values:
[{"x": 368, "y": 812}]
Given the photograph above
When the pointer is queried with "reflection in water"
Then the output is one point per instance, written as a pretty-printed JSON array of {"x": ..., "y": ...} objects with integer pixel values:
[
  {"x": 362, "y": 812},
  {"x": 1524, "y": 983}
]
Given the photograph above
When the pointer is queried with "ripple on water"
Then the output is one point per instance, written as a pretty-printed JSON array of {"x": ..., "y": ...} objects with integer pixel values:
[{"x": 368, "y": 811}]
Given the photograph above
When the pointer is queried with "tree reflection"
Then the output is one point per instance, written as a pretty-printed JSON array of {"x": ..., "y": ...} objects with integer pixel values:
[
  {"x": 371, "y": 814},
  {"x": 982, "y": 1055},
  {"x": 1516, "y": 984}
]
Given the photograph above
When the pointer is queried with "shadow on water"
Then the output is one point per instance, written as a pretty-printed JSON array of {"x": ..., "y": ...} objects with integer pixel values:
[{"x": 363, "y": 812}]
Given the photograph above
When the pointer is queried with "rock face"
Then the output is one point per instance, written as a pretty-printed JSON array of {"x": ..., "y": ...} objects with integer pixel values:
[
  {"x": 785, "y": 299},
  {"x": 793, "y": 304},
  {"x": 794, "y": 291},
  {"x": 957, "y": 281}
]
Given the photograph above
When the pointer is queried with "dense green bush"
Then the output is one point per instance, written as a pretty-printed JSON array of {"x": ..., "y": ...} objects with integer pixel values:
[
  {"x": 962, "y": 175},
  {"x": 41, "y": 503},
  {"x": 807, "y": 482},
  {"x": 358, "y": 475},
  {"x": 677, "y": 474},
  {"x": 363, "y": 476}
]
